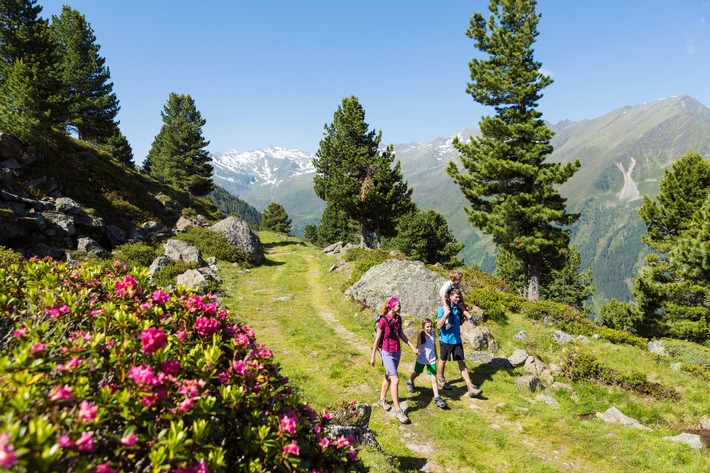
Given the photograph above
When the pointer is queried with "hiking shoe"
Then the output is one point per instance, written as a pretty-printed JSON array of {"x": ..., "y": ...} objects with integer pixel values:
[
  {"x": 474, "y": 391},
  {"x": 443, "y": 384},
  {"x": 384, "y": 405},
  {"x": 410, "y": 386},
  {"x": 401, "y": 416},
  {"x": 440, "y": 402}
]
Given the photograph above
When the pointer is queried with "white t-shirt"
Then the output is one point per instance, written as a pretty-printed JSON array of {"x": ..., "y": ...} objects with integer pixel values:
[
  {"x": 427, "y": 351},
  {"x": 447, "y": 288}
]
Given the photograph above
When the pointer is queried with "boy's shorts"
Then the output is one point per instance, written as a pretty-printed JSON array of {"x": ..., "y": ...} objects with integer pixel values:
[
  {"x": 451, "y": 352},
  {"x": 430, "y": 369},
  {"x": 390, "y": 360}
]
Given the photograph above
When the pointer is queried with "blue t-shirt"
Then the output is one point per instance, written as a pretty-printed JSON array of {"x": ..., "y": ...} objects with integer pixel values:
[{"x": 451, "y": 336}]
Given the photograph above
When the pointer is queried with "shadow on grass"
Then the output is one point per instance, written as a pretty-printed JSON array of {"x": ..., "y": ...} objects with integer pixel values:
[
  {"x": 275, "y": 244},
  {"x": 409, "y": 463},
  {"x": 269, "y": 262}
]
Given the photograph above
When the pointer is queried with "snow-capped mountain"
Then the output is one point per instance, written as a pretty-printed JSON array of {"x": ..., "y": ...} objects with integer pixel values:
[{"x": 236, "y": 171}]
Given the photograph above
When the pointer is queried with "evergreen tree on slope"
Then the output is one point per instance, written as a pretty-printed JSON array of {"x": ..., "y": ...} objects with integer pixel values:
[
  {"x": 177, "y": 156},
  {"x": 355, "y": 177},
  {"x": 275, "y": 219},
  {"x": 85, "y": 78},
  {"x": 509, "y": 185},
  {"x": 31, "y": 101}
]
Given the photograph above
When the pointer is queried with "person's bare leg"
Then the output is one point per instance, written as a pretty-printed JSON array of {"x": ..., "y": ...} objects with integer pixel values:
[{"x": 394, "y": 390}]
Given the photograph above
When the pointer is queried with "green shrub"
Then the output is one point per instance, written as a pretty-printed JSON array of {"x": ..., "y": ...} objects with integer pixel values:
[
  {"x": 578, "y": 366},
  {"x": 688, "y": 352},
  {"x": 138, "y": 254},
  {"x": 213, "y": 244},
  {"x": 104, "y": 372},
  {"x": 621, "y": 316},
  {"x": 166, "y": 276},
  {"x": 9, "y": 256},
  {"x": 495, "y": 304}
]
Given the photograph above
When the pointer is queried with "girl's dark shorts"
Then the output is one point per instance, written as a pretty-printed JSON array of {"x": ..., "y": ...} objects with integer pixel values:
[{"x": 451, "y": 352}]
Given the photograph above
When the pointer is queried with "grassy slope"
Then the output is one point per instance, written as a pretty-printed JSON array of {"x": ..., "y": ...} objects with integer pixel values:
[{"x": 322, "y": 340}]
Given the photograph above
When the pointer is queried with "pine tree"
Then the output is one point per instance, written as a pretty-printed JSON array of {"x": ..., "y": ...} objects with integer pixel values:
[
  {"x": 31, "y": 102},
  {"x": 274, "y": 218},
  {"x": 425, "y": 236},
  {"x": 355, "y": 177},
  {"x": 673, "y": 291},
  {"x": 85, "y": 78},
  {"x": 335, "y": 225},
  {"x": 177, "y": 156},
  {"x": 117, "y": 144},
  {"x": 510, "y": 186}
]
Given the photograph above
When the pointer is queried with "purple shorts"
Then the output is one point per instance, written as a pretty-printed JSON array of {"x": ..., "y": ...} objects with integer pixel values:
[{"x": 390, "y": 360}]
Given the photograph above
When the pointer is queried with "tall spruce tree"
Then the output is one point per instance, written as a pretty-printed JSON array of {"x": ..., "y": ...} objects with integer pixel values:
[
  {"x": 510, "y": 186},
  {"x": 425, "y": 236},
  {"x": 354, "y": 176},
  {"x": 178, "y": 156},
  {"x": 31, "y": 101},
  {"x": 274, "y": 218},
  {"x": 673, "y": 291},
  {"x": 85, "y": 78}
]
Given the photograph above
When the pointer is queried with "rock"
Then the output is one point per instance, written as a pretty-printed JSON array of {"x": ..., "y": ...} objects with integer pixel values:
[
  {"x": 151, "y": 227},
  {"x": 10, "y": 164},
  {"x": 614, "y": 416},
  {"x": 68, "y": 206},
  {"x": 479, "y": 357},
  {"x": 211, "y": 260},
  {"x": 546, "y": 376},
  {"x": 479, "y": 337},
  {"x": 501, "y": 364},
  {"x": 158, "y": 264},
  {"x": 676, "y": 366},
  {"x": 411, "y": 282},
  {"x": 334, "y": 248},
  {"x": 115, "y": 235},
  {"x": 518, "y": 358},
  {"x": 492, "y": 346},
  {"x": 583, "y": 339},
  {"x": 596, "y": 336},
  {"x": 656, "y": 347},
  {"x": 549, "y": 400},
  {"x": 561, "y": 337},
  {"x": 193, "y": 279},
  {"x": 179, "y": 250},
  {"x": 531, "y": 383},
  {"x": 522, "y": 335},
  {"x": 240, "y": 237},
  {"x": 183, "y": 224},
  {"x": 534, "y": 366},
  {"x": 89, "y": 245},
  {"x": 13, "y": 148},
  {"x": 557, "y": 386},
  {"x": 353, "y": 420},
  {"x": 704, "y": 424},
  {"x": 694, "y": 441}
]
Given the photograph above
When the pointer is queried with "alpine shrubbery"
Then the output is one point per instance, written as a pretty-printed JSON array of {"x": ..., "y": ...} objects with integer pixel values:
[{"x": 102, "y": 372}]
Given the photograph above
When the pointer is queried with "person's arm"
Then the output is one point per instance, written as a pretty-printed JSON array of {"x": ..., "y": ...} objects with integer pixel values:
[
  {"x": 406, "y": 340},
  {"x": 374, "y": 345},
  {"x": 440, "y": 322}
]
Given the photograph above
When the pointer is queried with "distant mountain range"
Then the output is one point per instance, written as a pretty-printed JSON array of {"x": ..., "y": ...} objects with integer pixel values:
[{"x": 623, "y": 155}]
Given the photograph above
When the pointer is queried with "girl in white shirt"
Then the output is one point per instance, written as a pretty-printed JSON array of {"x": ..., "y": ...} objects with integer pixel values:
[{"x": 426, "y": 358}]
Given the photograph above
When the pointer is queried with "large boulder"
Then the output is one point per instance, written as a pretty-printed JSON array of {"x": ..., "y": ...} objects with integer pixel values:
[
  {"x": 411, "y": 282},
  {"x": 240, "y": 237},
  {"x": 179, "y": 250}
]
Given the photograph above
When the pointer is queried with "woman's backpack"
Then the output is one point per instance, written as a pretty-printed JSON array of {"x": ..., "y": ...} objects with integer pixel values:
[{"x": 379, "y": 316}]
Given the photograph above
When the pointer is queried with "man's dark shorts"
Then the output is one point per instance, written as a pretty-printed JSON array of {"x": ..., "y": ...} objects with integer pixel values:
[{"x": 451, "y": 352}]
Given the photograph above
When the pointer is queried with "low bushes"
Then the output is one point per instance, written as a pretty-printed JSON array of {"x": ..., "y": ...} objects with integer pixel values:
[
  {"x": 363, "y": 259},
  {"x": 213, "y": 244},
  {"x": 103, "y": 372},
  {"x": 577, "y": 366}
]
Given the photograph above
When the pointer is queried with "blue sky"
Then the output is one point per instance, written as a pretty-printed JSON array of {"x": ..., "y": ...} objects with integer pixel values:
[{"x": 274, "y": 71}]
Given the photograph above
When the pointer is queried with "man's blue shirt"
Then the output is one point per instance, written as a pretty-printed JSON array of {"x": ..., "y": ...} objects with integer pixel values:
[{"x": 451, "y": 336}]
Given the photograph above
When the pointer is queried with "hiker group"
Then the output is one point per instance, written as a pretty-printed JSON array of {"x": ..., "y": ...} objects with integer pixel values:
[{"x": 388, "y": 332}]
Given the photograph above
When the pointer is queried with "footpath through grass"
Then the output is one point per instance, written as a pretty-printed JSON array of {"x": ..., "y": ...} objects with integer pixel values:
[{"x": 323, "y": 339}]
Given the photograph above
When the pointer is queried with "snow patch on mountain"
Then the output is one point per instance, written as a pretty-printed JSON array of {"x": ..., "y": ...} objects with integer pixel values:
[{"x": 266, "y": 167}]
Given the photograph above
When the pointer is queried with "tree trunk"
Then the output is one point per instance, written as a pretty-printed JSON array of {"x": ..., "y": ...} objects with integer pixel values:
[
  {"x": 363, "y": 234},
  {"x": 533, "y": 286}
]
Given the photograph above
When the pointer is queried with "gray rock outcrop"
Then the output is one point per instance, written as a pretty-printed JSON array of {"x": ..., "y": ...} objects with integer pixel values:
[
  {"x": 179, "y": 250},
  {"x": 240, "y": 237},
  {"x": 411, "y": 282},
  {"x": 615, "y": 416},
  {"x": 694, "y": 441}
]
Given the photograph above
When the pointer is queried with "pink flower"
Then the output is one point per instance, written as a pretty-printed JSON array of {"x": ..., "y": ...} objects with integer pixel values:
[
  {"x": 21, "y": 332},
  {"x": 8, "y": 457},
  {"x": 57, "y": 310},
  {"x": 37, "y": 348},
  {"x": 151, "y": 399},
  {"x": 352, "y": 454},
  {"x": 96, "y": 312},
  {"x": 249, "y": 332},
  {"x": 210, "y": 308},
  {"x": 291, "y": 449},
  {"x": 222, "y": 314},
  {"x": 64, "y": 441},
  {"x": 342, "y": 442},
  {"x": 239, "y": 367},
  {"x": 126, "y": 286},
  {"x": 146, "y": 305},
  {"x": 324, "y": 443},
  {"x": 288, "y": 423},
  {"x": 190, "y": 387},
  {"x": 153, "y": 339},
  {"x": 195, "y": 303},
  {"x": 85, "y": 442},
  {"x": 63, "y": 393},
  {"x": 206, "y": 326},
  {"x": 87, "y": 411},
  {"x": 170, "y": 367},
  {"x": 264, "y": 352},
  {"x": 186, "y": 404},
  {"x": 129, "y": 439},
  {"x": 241, "y": 339},
  {"x": 142, "y": 375},
  {"x": 224, "y": 377},
  {"x": 73, "y": 363},
  {"x": 105, "y": 468},
  {"x": 181, "y": 335},
  {"x": 161, "y": 297}
]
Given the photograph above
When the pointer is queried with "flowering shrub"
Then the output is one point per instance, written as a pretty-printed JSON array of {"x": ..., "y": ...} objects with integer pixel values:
[{"x": 101, "y": 372}]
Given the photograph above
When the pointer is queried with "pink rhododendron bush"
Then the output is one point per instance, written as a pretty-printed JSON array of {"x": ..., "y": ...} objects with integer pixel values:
[{"x": 101, "y": 372}]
